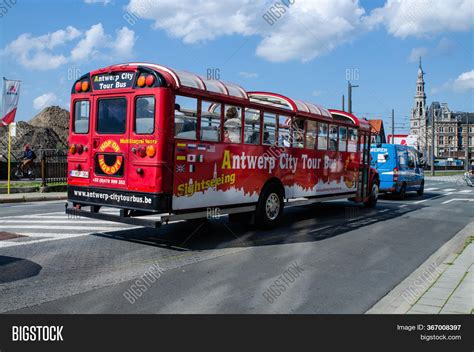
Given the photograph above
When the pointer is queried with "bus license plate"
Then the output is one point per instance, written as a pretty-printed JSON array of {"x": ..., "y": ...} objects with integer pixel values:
[{"x": 77, "y": 173}]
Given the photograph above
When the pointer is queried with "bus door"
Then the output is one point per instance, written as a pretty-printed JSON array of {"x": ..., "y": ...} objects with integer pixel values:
[
  {"x": 364, "y": 166},
  {"x": 110, "y": 136}
]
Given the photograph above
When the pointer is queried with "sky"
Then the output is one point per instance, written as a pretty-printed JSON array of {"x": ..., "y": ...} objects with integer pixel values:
[{"x": 304, "y": 49}]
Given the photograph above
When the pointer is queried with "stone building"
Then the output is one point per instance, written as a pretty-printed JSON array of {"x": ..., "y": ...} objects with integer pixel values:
[{"x": 450, "y": 126}]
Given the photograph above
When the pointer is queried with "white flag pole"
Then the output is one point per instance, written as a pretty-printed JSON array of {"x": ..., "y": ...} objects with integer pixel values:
[{"x": 9, "y": 155}]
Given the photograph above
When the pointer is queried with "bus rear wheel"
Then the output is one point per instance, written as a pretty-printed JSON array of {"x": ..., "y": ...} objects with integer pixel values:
[
  {"x": 374, "y": 196},
  {"x": 270, "y": 207}
]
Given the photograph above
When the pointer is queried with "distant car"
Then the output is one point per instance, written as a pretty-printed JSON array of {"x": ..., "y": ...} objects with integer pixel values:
[{"x": 399, "y": 168}]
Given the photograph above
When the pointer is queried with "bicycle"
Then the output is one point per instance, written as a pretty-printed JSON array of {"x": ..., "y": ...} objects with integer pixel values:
[
  {"x": 18, "y": 173},
  {"x": 469, "y": 178}
]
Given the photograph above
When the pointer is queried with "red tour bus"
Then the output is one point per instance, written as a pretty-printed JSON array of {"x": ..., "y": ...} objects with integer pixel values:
[{"x": 161, "y": 145}]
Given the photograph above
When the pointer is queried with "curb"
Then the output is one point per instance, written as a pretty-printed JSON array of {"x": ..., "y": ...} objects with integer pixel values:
[
  {"x": 394, "y": 303},
  {"x": 36, "y": 198}
]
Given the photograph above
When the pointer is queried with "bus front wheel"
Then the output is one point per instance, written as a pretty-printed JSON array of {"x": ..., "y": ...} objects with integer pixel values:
[{"x": 270, "y": 207}]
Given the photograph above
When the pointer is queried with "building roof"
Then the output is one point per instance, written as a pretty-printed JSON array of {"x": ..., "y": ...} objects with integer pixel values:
[{"x": 376, "y": 126}]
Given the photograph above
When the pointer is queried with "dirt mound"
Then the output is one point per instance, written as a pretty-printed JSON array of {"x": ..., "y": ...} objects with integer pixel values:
[{"x": 54, "y": 118}]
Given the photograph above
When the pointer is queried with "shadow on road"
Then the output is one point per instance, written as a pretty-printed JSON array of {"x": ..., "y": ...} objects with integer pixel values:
[
  {"x": 310, "y": 223},
  {"x": 13, "y": 269}
]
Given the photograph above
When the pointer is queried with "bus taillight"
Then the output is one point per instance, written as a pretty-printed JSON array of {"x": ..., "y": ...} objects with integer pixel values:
[
  {"x": 72, "y": 149},
  {"x": 150, "y": 151}
]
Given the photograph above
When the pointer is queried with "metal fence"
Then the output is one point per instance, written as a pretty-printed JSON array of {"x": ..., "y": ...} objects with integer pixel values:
[
  {"x": 53, "y": 166},
  {"x": 50, "y": 165}
]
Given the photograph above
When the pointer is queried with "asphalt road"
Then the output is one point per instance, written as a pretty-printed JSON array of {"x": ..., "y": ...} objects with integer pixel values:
[{"x": 347, "y": 258}]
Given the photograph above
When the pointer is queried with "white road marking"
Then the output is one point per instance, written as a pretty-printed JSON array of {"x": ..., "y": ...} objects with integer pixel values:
[
  {"x": 421, "y": 201},
  {"x": 449, "y": 189},
  {"x": 384, "y": 210},
  {"x": 457, "y": 199},
  {"x": 431, "y": 189},
  {"x": 466, "y": 191},
  {"x": 403, "y": 205}
]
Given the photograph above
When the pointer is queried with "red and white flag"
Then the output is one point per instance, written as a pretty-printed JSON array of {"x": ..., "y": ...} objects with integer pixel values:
[{"x": 11, "y": 93}]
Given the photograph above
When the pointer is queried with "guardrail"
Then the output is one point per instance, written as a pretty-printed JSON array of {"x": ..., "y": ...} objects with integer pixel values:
[{"x": 53, "y": 166}]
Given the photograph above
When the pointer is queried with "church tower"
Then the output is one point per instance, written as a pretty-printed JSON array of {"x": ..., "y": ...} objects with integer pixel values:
[{"x": 418, "y": 112}]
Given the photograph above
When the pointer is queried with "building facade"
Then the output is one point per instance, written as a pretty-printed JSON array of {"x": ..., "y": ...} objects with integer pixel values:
[{"x": 450, "y": 137}]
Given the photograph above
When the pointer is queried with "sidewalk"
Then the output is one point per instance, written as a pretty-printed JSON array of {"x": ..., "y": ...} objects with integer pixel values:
[
  {"x": 453, "y": 291},
  {"x": 32, "y": 197},
  {"x": 443, "y": 284}
]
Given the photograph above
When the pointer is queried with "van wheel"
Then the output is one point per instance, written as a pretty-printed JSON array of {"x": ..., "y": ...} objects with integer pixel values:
[
  {"x": 402, "y": 193},
  {"x": 421, "y": 189},
  {"x": 374, "y": 196},
  {"x": 270, "y": 207}
]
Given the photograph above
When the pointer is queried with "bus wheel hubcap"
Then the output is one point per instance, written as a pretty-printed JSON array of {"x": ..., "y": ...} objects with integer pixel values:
[
  {"x": 272, "y": 206},
  {"x": 375, "y": 191}
]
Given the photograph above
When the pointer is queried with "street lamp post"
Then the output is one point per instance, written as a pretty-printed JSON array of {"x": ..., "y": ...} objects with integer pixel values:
[{"x": 349, "y": 96}]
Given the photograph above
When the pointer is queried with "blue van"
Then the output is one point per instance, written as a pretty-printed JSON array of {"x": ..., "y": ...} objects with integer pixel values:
[{"x": 399, "y": 168}]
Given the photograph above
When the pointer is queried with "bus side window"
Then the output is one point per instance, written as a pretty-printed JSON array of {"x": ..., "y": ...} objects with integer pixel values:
[
  {"x": 232, "y": 124},
  {"x": 311, "y": 134},
  {"x": 269, "y": 128},
  {"x": 322, "y": 136},
  {"x": 342, "y": 138},
  {"x": 210, "y": 121},
  {"x": 252, "y": 126},
  {"x": 81, "y": 116},
  {"x": 297, "y": 132},
  {"x": 352, "y": 142},
  {"x": 284, "y": 123},
  {"x": 185, "y": 117},
  {"x": 144, "y": 115},
  {"x": 332, "y": 137}
]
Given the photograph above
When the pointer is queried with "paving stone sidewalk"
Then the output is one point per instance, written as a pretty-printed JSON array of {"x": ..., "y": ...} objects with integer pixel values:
[{"x": 453, "y": 291}]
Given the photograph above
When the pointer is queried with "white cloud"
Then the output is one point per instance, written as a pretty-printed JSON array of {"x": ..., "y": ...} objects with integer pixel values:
[
  {"x": 464, "y": 82},
  {"x": 248, "y": 74},
  {"x": 404, "y": 18},
  {"x": 45, "y": 100},
  {"x": 416, "y": 53},
  {"x": 41, "y": 52},
  {"x": 304, "y": 30}
]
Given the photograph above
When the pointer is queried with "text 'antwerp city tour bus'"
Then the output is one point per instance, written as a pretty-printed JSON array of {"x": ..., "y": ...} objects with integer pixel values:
[{"x": 161, "y": 144}]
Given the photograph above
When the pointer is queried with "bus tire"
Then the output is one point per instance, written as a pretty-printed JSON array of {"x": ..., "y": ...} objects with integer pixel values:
[
  {"x": 270, "y": 207},
  {"x": 374, "y": 196},
  {"x": 421, "y": 190}
]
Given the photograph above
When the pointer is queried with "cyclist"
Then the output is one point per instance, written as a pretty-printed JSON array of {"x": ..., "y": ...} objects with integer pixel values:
[{"x": 27, "y": 160}]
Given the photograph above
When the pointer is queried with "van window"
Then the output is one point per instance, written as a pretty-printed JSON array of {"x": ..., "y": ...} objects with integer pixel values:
[
  {"x": 411, "y": 160},
  {"x": 252, "y": 126},
  {"x": 81, "y": 116},
  {"x": 210, "y": 121},
  {"x": 185, "y": 117},
  {"x": 322, "y": 136},
  {"x": 402, "y": 157},
  {"x": 232, "y": 124},
  {"x": 311, "y": 134},
  {"x": 144, "y": 115}
]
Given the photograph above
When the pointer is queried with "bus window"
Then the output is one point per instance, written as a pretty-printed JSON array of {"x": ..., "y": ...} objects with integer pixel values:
[
  {"x": 332, "y": 137},
  {"x": 145, "y": 115},
  {"x": 284, "y": 131},
  {"x": 81, "y": 116},
  {"x": 185, "y": 117},
  {"x": 252, "y": 126},
  {"x": 232, "y": 124},
  {"x": 298, "y": 132},
  {"x": 269, "y": 128},
  {"x": 311, "y": 133},
  {"x": 322, "y": 136},
  {"x": 342, "y": 139},
  {"x": 112, "y": 116},
  {"x": 210, "y": 121},
  {"x": 352, "y": 142}
]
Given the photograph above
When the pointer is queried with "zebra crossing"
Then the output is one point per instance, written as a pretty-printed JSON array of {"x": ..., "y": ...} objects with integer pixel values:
[
  {"x": 449, "y": 190},
  {"x": 53, "y": 226}
]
